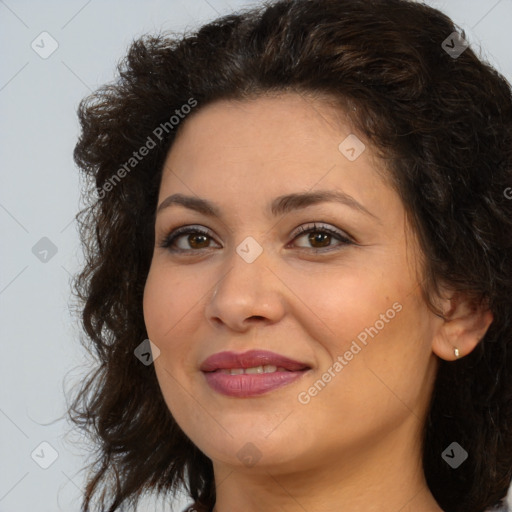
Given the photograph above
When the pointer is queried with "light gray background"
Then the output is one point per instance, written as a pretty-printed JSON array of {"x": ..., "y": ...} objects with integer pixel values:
[{"x": 39, "y": 196}]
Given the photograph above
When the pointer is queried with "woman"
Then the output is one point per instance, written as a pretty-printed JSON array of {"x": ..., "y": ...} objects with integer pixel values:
[{"x": 304, "y": 207}]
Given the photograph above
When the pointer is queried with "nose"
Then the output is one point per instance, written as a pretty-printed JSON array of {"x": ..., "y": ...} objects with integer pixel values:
[{"x": 248, "y": 292}]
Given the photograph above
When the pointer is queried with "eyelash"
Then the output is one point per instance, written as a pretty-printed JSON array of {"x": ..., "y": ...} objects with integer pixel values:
[{"x": 170, "y": 239}]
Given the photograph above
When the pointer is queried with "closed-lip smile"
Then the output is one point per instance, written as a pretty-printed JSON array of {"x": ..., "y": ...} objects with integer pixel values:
[{"x": 250, "y": 373}]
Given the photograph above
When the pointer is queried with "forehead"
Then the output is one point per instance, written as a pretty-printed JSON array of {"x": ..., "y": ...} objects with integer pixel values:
[
  {"x": 285, "y": 132},
  {"x": 245, "y": 152},
  {"x": 257, "y": 121}
]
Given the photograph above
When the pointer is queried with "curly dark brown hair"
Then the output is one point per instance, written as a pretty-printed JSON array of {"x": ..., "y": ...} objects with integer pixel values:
[{"x": 443, "y": 125}]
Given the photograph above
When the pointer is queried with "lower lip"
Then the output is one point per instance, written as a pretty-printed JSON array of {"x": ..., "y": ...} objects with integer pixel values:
[{"x": 250, "y": 384}]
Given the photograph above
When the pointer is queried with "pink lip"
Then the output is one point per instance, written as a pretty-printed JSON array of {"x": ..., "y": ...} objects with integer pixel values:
[
  {"x": 247, "y": 385},
  {"x": 229, "y": 360}
]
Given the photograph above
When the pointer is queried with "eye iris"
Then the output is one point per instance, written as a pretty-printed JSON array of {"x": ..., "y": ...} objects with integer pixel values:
[
  {"x": 197, "y": 240},
  {"x": 195, "y": 237},
  {"x": 317, "y": 236}
]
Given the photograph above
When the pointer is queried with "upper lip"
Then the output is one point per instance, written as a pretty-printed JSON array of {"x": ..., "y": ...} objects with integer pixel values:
[{"x": 250, "y": 359}]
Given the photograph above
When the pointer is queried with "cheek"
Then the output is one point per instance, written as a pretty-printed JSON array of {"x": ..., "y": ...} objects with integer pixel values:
[
  {"x": 161, "y": 312},
  {"x": 170, "y": 306},
  {"x": 153, "y": 303},
  {"x": 387, "y": 365},
  {"x": 379, "y": 325},
  {"x": 167, "y": 299},
  {"x": 343, "y": 303}
]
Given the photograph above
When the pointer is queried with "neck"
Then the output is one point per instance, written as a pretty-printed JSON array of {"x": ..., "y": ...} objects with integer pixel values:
[{"x": 383, "y": 476}]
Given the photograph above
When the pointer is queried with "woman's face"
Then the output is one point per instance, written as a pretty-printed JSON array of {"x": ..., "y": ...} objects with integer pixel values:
[{"x": 343, "y": 300}]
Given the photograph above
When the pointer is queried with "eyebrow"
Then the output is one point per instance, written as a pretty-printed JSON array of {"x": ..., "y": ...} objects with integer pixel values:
[{"x": 279, "y": 206}]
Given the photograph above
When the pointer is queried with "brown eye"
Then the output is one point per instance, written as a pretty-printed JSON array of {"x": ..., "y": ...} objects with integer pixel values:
[
  {"x": 320, "y": 237},
  {"x": 196, "y": 239}
]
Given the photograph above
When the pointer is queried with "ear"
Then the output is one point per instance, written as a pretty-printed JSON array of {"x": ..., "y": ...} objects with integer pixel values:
[{"x": 463, "y": 327}]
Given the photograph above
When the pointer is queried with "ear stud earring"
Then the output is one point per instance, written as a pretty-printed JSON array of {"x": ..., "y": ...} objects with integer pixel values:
[{"x": 456, "y": 352}]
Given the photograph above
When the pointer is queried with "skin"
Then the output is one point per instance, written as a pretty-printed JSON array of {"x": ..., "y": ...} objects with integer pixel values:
[{"x": 356, "y": 445}]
